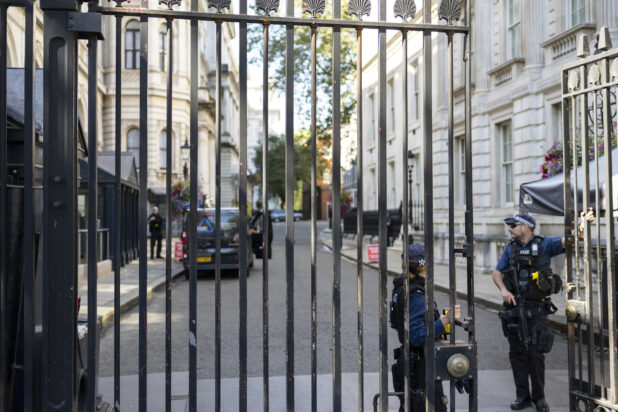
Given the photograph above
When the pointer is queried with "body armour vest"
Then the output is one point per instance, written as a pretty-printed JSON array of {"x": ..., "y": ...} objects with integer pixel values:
[
  {"x": 526, "y": 264},
  {"x": 397, "y": 310}
]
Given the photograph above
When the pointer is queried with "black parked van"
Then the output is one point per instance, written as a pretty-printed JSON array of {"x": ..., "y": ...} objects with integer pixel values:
[{"x": 230, "y": 240}]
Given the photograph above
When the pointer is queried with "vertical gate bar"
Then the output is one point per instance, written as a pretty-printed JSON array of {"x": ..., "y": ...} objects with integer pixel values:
[
  {"x": 597, "y": 222},
  {"x": 609, "y": 233},
  {"x": 168, "y": 221},
  {"x": 265, "y": 224},
  {"x": 404, "y": 222},
  {"x": 428, "y": 213},
  {"x": 242, "y": 197},
  {"x": 359, "y": 215},
  {"x": 587, "y": 251},
  {"x": 29, "y": 302},
  {"x": 574, "y": 194},
  {"x": 217, "y": 219},
  {"x": 59, "y": 211},
  {"x": 289, "y": 204},
  {"x": 192, "y": 231},
  {"x": 567, "y": 107},
  {"x": 4, "y": 371},
  {"x": 451, "y": 207},
  {"x": 93, "y": 237},
  {"x": 336, "y": 176},
  {"x": 469, "y": 221},
  {"x": 314, "y": 283},
  {"x": 143, "y": 198},
  {"x": 382, "y": 233},
  {"x": 119, "y": 215}
]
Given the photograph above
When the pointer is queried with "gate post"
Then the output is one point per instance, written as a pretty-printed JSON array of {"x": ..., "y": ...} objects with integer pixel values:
[{"x": 59, "y": 208}]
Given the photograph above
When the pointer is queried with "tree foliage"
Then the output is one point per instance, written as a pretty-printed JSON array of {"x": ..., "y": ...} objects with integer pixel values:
[
  {"x": 276, "y": 162},
  {"x": 302, "y": 70}
]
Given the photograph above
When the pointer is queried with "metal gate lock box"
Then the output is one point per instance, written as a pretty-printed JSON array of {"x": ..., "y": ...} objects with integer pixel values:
[{"x": 454, "y": 361}]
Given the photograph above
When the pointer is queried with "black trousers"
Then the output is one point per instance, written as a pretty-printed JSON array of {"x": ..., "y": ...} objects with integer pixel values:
[
  {"x": 528, "y": 364},
  {"x": 155, "y": 238},
  {"x": 417, "y": 383}
]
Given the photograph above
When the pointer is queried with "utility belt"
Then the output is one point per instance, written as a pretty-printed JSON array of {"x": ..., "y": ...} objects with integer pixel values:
[
  {"x": 540, "y": 336},
  {"x": 415, "y": 353}
]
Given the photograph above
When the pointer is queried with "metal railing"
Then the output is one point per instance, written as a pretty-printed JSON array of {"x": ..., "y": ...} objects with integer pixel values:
[
  {"x": 589, "y": 119},
  {"x": 63, "y": 26}
]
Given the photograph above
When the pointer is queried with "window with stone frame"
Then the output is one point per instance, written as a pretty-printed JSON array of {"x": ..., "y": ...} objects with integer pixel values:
[
  {"x": 577, "y": 12},
  {"x": 413, "y": 94},
  {"x": 133, "y": 144},
  {"x": 131, "y": 45},
  {"x": 460, "y": 169},
  {"x": 163, "y": 149},
  {"x": 513, "y": 24},
  {"x": 162, "y": 47},
  {"x": 506, "y": 162},
  {"x": 391, "y": 104}
]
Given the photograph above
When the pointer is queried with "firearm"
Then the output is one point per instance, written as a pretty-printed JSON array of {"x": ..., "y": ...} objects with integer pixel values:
[{"x": 518, "y": 313}]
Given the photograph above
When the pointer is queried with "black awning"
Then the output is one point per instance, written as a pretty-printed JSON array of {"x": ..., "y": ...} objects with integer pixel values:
[{"x": 546, "y": 196}]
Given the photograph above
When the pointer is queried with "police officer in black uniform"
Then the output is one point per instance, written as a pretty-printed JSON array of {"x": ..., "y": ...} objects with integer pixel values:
[
  {"x": 418, "y": 332},
  {"x": 526, "y": 281},
  {"x": 155, "y": 223}
]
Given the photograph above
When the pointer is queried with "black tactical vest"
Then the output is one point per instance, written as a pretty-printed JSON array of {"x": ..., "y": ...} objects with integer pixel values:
[
  {"x": 524, "y": 263},
  {"x": 397, "y": 312}
]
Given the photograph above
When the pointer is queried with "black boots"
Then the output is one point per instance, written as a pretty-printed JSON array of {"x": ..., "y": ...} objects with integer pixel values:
[{"x": 521, "y": 403}]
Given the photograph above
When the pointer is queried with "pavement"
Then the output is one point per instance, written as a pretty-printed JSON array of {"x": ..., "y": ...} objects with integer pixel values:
[
  {"x": 485, "y": 291},
  {"x": 496, "y": 390},
  {"x": 129, "y": 288}
]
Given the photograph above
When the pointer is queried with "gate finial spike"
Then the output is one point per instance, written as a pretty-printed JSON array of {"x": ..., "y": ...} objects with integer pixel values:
[
  {"x": 583, "y": 50},
  {"x": 605, "y": 41}
]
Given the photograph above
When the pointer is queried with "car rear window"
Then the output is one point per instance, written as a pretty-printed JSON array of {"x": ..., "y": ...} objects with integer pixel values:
[{"x": 229, "y": 222}]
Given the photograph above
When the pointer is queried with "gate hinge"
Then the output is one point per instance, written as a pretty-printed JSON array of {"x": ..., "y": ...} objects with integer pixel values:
[
  {"x": 466, "y": 250},
  {"x": 85, "y": 24}
]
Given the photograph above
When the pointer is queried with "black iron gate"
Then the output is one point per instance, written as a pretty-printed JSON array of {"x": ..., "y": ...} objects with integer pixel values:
[
  {"x": 589, "y": 120},
  {"x": 49, "y": 351}
]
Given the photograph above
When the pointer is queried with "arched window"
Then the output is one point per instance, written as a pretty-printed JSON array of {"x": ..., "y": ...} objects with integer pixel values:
[
  {"x": 162, "y": 47},
  {"x": 133, "y": 144},
  {"x": 163, "y": 149},
  {"x": 132, "y": 45}
]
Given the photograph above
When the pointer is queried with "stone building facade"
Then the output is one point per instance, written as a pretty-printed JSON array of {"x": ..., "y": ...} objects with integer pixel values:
[
  {"x": 518, "y": 50},
  {"x": 157, "y": 89}
]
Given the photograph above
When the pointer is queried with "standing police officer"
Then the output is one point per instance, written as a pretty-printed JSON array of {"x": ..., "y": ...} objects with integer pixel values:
[{"x": 525, "y": 281}]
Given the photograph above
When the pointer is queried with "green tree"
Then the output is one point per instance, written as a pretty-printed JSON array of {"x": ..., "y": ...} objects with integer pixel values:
[
  {"x": 302, "y": 70},
  {"x": 276, "y": 162}
]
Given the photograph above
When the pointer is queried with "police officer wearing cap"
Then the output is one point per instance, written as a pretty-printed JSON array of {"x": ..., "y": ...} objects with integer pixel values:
[
  {"x": 418, "y": 331},
  {"x": 524, "y": 278}
]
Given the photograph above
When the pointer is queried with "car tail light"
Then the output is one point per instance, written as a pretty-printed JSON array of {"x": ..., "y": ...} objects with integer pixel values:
[
  {"x": 79, "y": 303},
  {"x": 184, "y": 237},
  {"x": 262, "y": 244}
]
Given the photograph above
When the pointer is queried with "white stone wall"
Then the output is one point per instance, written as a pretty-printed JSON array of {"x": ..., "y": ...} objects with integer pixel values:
[{"x": 523, "y": 92}]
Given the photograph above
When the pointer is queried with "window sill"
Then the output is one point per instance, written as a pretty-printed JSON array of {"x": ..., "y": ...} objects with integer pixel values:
[
  {"x": 506, "y": 71},
  {"x": 565, "y": 43}
]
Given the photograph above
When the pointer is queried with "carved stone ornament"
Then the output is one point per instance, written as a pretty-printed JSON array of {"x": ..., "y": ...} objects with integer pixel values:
[
  {"x": 219, "y": 4},
  {"x": 406, "y": 9},
  {"x": 613, "y": 69},
  {"x": 359, "y": 8},
  {"x": 170, "y": 3},
  {"x": 573, "y": 82},
  {"x": 314, "y": 7},
  {"x": 450, "y": 10},
  {"x": 594, "y": 75},
  {"x": 267, "y": 6}
]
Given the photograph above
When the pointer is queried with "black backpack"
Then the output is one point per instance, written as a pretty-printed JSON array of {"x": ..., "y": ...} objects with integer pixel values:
[{"x": 398, "y": 306}]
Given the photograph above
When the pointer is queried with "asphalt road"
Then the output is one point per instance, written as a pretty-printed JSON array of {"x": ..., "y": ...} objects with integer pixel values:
[{"x": 492, "y": 346}]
